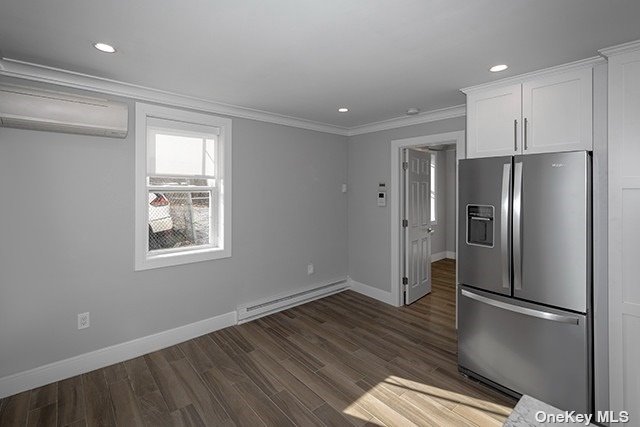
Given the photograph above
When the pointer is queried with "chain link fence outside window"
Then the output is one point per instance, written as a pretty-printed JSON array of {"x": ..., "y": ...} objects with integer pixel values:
[{"x": 181, "y": 219}]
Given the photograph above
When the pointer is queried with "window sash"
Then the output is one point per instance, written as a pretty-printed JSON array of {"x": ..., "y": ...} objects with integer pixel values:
[
  {"x": 159, "y": 253},
  {"x": 215, "y": 194},
  {"x": 154, "y": 131},
  {"x": 178, "y": 188},
  {"x": 177, "y": 175}
]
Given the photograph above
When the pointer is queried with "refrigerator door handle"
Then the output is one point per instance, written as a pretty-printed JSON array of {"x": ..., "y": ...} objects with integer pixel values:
[
  {"x": 522, "y": 310},
  {"x": 517, "y": 226},
  {"x": 504, "y": 226}
]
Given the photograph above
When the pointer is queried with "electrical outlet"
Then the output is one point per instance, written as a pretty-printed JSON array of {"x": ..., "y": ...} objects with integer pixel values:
[
  {"x": 83, "y": 320},
  {"x": 310, "y": 269},
  {"x": 344, "y": 188}
]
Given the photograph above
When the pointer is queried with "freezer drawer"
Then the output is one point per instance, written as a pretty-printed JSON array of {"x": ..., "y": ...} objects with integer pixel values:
[{"x": 527, "y": 348}]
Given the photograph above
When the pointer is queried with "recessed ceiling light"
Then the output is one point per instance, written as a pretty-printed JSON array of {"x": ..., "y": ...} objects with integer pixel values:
[
  {"x": 498, "y": 68},
  {"x": 343, "y": 110},
  {"x": 103, "y": 47}
]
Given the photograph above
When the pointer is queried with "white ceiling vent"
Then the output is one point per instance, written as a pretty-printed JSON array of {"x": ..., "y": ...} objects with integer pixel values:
[{"x": 36, "y": 109}]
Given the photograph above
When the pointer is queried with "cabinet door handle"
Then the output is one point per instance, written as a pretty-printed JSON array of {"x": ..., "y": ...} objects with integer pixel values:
[
  {"x": 515, "y": 135},
  {"x": 526, "y": 128}
]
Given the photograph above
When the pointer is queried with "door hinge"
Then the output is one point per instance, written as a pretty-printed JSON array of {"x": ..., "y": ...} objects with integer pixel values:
[
  {"x": 405, "y": 223},
  {"x": 405, "y": 165},
  {"x": 405, "y": 281}
]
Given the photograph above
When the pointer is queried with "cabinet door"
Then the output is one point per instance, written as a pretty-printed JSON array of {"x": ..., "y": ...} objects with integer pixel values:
[
  {"x": 557, "y": 112},
  {"x": 493, "y": 122}
]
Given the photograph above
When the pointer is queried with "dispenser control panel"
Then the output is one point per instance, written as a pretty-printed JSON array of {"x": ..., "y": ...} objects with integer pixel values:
[{"x": 480, "y": 225}]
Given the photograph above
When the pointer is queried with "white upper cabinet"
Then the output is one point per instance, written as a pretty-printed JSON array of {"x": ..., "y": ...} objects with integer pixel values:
[
  {"x": 544, "y": 112},
  {"x": 557, "y": 112},
  {"x": 493, "y": 122}
]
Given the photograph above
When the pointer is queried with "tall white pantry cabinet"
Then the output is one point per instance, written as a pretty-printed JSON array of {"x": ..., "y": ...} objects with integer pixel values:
[{"x": 624, "y": 228}]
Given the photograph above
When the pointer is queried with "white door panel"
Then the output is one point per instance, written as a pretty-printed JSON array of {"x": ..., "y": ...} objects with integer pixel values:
[{"x": 417, "y": 202}]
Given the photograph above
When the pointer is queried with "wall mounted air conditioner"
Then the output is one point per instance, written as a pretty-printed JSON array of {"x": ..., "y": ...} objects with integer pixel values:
[{"x": 37, "y": 109}]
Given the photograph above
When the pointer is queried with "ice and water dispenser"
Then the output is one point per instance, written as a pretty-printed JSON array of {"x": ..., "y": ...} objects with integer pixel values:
[{"x": 480, "y": 225}]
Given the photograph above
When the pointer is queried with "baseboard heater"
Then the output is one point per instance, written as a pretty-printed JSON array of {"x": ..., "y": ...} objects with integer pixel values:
[{"x": 281, "y": 302}]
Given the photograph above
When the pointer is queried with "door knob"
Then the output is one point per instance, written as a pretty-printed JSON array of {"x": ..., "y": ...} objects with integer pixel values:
[{"x": 430, "y": 230}]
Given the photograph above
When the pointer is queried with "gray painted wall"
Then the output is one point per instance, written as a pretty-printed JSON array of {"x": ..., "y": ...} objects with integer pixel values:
[
  {"x": 450, "y": 167},
  {"x": 67, "y": 237},
  {"x": 369, "y": 225}
]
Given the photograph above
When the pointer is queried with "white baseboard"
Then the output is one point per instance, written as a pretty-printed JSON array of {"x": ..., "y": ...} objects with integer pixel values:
[
  {"x": 266, "y": 306},
  {"x": 438, "y": 256},
  {"x": 442, "y": 255},
  {"x": 87, "y": 362},
  {"x": 370, "y": 291}
]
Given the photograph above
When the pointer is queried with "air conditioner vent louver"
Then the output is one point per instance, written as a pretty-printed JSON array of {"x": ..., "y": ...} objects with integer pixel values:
[{"x": 35, "y": 109}]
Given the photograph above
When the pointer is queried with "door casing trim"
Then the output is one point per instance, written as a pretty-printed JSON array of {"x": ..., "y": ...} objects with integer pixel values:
[{"x": 457, "y": 137}]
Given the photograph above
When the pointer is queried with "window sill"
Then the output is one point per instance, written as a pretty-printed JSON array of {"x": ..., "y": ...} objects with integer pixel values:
[{"x": 169, "y": 259}]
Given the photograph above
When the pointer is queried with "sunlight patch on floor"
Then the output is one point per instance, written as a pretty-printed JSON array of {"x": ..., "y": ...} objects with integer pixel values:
[
  {"x": 438, "y": 402},
  {"x": 445, "y": 397}
]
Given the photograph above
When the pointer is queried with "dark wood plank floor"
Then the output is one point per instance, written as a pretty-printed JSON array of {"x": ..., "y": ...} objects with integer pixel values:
[{"x": 343, "y": 360}]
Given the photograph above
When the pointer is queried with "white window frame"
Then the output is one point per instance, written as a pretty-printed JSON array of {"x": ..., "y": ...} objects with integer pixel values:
[
  {"x": 433, "y": 191},
  {"x": 145, "y": 260}
]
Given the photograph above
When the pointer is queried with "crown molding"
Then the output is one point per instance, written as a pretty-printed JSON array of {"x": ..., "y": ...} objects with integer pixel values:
[
  {"x": 620, "y": 48},
  {"x": 57, "y": 76},
  {"x": 41, "y": 73},
  {"x": 426, "y": 117},
  {"x": 520, "y": 78},
  {"x": 35, "y": 72}
]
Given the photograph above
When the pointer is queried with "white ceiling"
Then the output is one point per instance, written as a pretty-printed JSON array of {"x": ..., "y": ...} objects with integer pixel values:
[{"x": 304, "y": 58}]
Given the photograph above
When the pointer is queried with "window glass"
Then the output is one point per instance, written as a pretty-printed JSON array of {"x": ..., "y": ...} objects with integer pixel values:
[
  {"x": 180, "y": 155},
  {"x": 433, "y": 187},
  {"x": 180, "y": 219}
]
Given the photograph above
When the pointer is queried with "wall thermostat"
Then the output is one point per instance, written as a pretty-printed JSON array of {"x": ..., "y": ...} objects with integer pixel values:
[
  {"x": 382, "y": 194},
  {"x": 382, "y": 198}
]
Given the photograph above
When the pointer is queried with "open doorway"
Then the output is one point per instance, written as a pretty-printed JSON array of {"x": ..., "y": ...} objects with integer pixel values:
[
  {"x": 443, "y": 201},
  {"x": 423, "y": 219}
]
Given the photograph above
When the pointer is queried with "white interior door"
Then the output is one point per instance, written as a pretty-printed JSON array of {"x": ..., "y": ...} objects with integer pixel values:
[{"x": 416, "y": 224}]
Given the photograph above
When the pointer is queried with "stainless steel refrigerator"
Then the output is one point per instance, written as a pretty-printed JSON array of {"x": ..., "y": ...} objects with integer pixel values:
[{"x": 524, "y": 270}]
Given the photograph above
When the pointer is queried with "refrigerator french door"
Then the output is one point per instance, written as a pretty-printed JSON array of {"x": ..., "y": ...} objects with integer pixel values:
[
  {"x": 485, "y": 229},
  {"x": 525, "y": 275}
]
